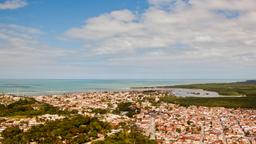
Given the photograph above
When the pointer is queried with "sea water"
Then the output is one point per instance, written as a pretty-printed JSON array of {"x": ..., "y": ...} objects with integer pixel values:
[{"x": 59, "y": 86}]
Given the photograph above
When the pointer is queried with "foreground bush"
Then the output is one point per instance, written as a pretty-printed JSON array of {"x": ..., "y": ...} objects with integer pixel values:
[
  {"x": 29, "y": 107},
  {"x": 77, "y": 129},
  {"x": 127, "y": 108},
  {"x": 125, "y": 137}
]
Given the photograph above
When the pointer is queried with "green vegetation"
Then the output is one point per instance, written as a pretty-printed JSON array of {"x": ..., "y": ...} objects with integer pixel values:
[
  {"x": 29, "y": 107},
  {"x": 152, "y": 101},
  {"x": 248, "y": 89},
  {"x": 125, "y": 137},
  {"x": 77, "y": 129},
  {"x": 127, "y": 108},
  {"x": 228, "y": 102},
  {"x": 100, "y": 111},
  {"x": 238, "y": 88}
]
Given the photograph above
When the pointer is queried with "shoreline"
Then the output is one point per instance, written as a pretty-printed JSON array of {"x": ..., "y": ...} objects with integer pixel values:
[
  {"x": 49, "y": 87},
  {"x": 178, "y": 92},
  {"x": 207, "y": 90}
]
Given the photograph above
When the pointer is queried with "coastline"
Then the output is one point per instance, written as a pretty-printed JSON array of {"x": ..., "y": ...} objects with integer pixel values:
[
  {"x": 169, "y": 121},
  {"x": 52, "y": 86}
]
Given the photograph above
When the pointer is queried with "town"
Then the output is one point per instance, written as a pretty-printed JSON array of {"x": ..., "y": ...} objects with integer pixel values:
[{"x": 166, "y": 123}]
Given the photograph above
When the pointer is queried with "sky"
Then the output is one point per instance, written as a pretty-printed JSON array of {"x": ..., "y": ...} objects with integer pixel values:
[{"x": 128, "y": 39}]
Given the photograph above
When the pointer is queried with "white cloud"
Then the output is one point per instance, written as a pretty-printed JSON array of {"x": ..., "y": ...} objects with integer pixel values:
[
  {"x": 12, "y": 4},
  {"x": 106, "y": 25},
  {"x": 193, "y": 36},
  {"x": 203, "y": 32},
  {"x": 22, "y": 53},
  {"x": 203, "y": 39}
]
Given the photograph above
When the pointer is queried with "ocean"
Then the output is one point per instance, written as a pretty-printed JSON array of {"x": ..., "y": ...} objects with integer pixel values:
[{"x": 27, "y": 87}]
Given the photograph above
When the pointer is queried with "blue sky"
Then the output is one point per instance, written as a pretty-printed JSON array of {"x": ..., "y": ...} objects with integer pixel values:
[
  {"x": 54, "y": 17},
  {"x": 201, "y": 39}
]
